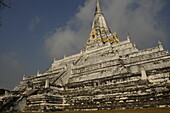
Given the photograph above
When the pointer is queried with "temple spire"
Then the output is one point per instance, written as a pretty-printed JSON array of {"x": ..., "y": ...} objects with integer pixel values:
[
  {"x": 99, "y": 26},
  {"x": 98, "y": 9},
  {"x": 99, "y": 20},
  {"x": 100, "y": 33}
]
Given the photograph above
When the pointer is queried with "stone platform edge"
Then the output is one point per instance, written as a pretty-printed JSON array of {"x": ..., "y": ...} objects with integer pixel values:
[{"x": 144, "y": 110}]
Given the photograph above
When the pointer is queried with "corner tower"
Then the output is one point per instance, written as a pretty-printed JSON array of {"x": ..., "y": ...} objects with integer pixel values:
[{"x": 100, "y": 33}]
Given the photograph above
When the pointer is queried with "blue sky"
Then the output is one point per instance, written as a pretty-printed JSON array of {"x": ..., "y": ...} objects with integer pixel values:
[{"x": 34, "y": 32}]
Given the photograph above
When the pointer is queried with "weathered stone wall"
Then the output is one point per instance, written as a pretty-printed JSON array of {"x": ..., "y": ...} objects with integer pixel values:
[
  {"x": 113, "y": 76},
  {"x": 106, "y": 74},
  {"x": 121, "y": 92},
  {"x": 120, "y": 77}
]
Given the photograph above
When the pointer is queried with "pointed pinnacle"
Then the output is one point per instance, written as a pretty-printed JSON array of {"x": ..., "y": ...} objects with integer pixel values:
[
  {"x": 128, "y": 37},
  {"x": 98, "y": 9}
]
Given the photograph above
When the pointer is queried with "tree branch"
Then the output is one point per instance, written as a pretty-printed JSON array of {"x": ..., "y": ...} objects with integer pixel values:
[{"x": 4, "y": 4}]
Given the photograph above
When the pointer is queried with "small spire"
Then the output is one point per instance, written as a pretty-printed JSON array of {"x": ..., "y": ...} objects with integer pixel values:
[
  {"x": 160, "y": 45},
  {"x": 24, "y": 77},
  {"x": 128, "y": 37},
  {"x": 54, "y": 59},
  {"x": 134, "y": 45},
  {"x": 38, "y": 72},
  {"x": 98, "y": 9},
  {"x": 81, "y": 51}
]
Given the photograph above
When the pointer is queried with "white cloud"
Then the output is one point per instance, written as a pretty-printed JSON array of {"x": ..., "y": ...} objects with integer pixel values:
[
  {"x": 135, "y": 16},
  {"x": 70, "y": 39}
]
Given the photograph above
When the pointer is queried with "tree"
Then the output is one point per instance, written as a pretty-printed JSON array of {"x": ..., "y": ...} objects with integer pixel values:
[{"x": 3, "y": 4}]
